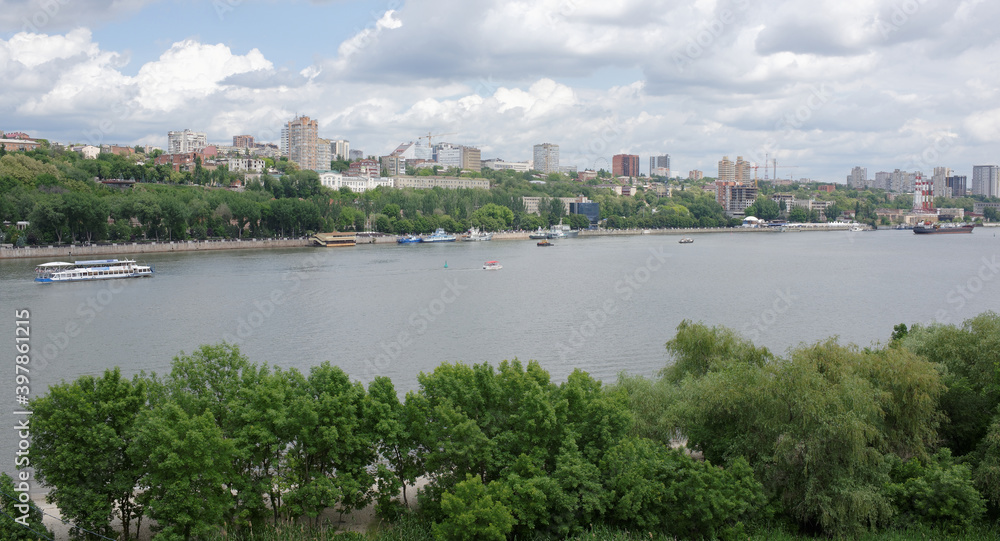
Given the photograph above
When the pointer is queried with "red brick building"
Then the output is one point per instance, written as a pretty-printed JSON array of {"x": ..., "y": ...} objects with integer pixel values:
[{"x": 625, "y": 165}]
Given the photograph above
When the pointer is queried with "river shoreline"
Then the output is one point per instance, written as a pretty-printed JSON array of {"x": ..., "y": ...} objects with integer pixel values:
[{"x": 132, "y": 248}]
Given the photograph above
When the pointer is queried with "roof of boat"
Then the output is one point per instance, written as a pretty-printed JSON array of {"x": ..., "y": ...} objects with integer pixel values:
[
  {"x": 491, "y": 262},
  {"x": 56, "y": 264}
]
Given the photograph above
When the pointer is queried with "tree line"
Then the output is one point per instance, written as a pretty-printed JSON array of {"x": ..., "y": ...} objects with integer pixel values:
[{"x": 728, "y": 439}]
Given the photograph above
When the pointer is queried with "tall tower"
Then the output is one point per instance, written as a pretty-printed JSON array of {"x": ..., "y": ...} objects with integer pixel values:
[
  {"x": 546, "y": 157},
  {"x": 727, "y": 170},
  {"x": 302, "y": 139}
]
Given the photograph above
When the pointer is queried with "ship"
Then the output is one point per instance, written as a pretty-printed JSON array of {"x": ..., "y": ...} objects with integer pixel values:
[{"x": 938, "y": 228}]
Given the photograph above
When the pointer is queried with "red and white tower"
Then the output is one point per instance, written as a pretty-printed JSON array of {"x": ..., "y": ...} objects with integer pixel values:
[{"x": 923, "y": 196}]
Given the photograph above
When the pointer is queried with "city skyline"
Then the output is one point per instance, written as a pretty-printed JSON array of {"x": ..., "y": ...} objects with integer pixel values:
[{"x": 731, "y": 77}]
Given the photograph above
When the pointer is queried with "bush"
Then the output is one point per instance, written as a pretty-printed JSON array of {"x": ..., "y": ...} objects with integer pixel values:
[{"x": 938, "y": 493}]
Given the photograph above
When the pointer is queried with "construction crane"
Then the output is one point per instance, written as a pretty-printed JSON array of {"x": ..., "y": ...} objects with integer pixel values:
[
  {"x": 772, "y": 165},
  {"x": 429, "y": 135}
]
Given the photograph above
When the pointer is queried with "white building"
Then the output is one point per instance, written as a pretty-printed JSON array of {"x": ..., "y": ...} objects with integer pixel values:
[
  {"x": 498, "y": 164},
  {"x": 449, "y": 155},
  {"x": 251, "y": 165},
  {"x": 182, "y": 142},
  {"x": 340, "y": 149},
  {"x": 546, "y": 158},
  {"x": 336, "y": 180},
  {"x": 414, "y": 151},
  {"x": 89, "y": 152}
]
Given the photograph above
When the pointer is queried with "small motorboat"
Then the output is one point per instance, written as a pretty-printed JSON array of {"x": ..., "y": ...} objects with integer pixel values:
[
  {"x": 686, "y": 240},
  {"x": 545, "y": 243},
  {"x": 492, "y": 265}
]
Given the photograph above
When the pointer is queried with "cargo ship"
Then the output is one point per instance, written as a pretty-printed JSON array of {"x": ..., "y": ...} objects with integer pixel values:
[{"x": 938, "y": 228}]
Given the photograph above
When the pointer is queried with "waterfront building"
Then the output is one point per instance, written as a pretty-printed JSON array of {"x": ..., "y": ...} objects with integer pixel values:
[
  {"x": 589, "y": 209},
  {"x": 302, "y": 143},
  {"x": 179, "y": 142},
  {"x": 734, "y": 197},
  {"x": 940, "y": 182},
  {"x": 625, "y": 165},
  {"x": 986, "y": 180},
  {"x": 546, "y": 158},
  {"x": 957, "y": 186}
]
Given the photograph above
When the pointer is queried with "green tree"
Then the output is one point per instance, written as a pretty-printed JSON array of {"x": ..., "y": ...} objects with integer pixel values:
[
  {"x": 187, "y": 461},
  {"x": 81, "y": 442},
  {"x": 471, "y": 514},
  {"x": 11, "y": 511},
  {"x": 764, "y": 208},
  {"x": 492, "y": 217}
]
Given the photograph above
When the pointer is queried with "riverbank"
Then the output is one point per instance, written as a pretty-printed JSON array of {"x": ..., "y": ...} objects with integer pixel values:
[{"x": 132, "y": 248}]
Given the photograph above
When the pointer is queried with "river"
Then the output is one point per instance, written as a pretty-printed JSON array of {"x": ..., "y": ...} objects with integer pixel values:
[{"x": 605, "y": 304}]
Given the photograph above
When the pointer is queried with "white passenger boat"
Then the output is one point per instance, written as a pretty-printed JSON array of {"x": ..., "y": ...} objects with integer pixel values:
[
  {"x": 476, "y": 235},
  {"x": 492, "y": 265},
  {"x": 100, "y": 269},
  {"x": 440, "y": 236}
]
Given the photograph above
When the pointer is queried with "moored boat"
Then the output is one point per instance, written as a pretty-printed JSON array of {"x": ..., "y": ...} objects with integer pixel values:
[
  {"x": 100, "y": 269},
  {"x": 439, "y": 236},
  {"x": 540, "y": 234},
  {"x": 409, "y": 239},
  {"x": 476, "y": 235},
  {"x": 938, "y": 228}
]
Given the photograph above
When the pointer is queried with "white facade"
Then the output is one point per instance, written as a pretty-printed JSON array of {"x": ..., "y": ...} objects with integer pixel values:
[
  {"x": 182, "y": 142},
  {"x": 89, "y": 152},
  {"x": 449, "y": 156},
  {"x": 497, "y": 164},
  {"x": 340, "y": 149},
  {"x": 546, "y": 158},
  {"x": 336, "y": 180},
  {"x": 246, "y": 164}
]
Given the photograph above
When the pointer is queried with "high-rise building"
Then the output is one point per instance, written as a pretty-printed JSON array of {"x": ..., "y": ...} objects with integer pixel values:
[
  {"x": 883, "y": 181},
  {"x": 182, "y": 142},
  {"x": 734, "y": 197},
  {"x": 283, "y": 144},
  {"x": 356, "y": 155},
  {"x": 659, "y": 166},
  {"x": 546, "y": 157},
  {"x": 340, "y": 149},
  {"x": 742, "y": 170},
  {"x": 858, "y": 179},
  {"x": 986, "y": 180},
  {"x": 625, "y": 165},
  {"x": 695, "y": 174},
  {"x": 727, "y": 170},
  {"x": 957, "y": 186},
  {"x": 940, "y": 182},
  {"x": 243, "y": 141},
  {"x": 323, "y": 155},
  {"x": 472, "y": 159},
  {"x": 302, "y": 138}
]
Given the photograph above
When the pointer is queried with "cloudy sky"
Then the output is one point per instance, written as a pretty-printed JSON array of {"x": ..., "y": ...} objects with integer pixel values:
[{"x": 823, "y": 85}]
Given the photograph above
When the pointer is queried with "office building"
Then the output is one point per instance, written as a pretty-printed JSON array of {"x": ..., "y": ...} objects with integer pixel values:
[
  {"x": 589, "y": 209},
  {"x": 625, "y": 165},
  {"x": 546, "y": 157},
  {"x": 957, "y": 186}
]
